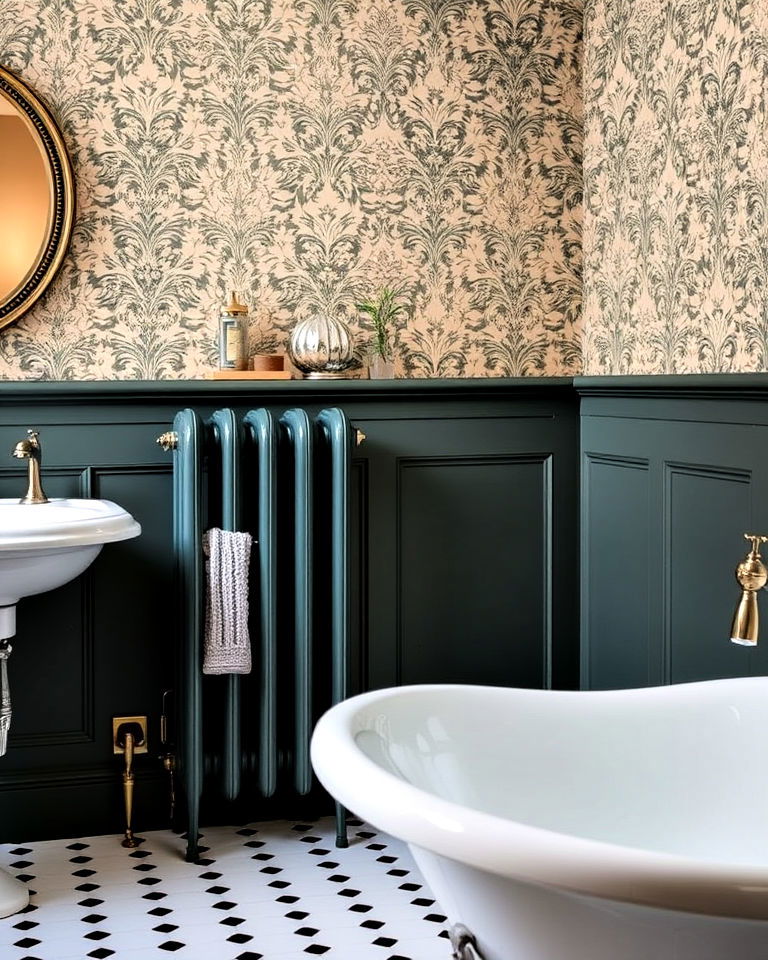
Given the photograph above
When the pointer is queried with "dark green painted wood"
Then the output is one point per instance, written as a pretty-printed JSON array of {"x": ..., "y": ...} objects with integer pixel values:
[
  {"x": 103, "y": 645},
  {"x": 707, "y": 468}
]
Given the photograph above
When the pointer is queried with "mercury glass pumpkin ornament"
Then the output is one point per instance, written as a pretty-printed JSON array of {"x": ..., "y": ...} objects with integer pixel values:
[{"x": 321, "y": 347}]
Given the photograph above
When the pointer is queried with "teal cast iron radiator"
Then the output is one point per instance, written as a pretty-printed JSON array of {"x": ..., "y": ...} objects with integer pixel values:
[{"x": 235, "y": 474}]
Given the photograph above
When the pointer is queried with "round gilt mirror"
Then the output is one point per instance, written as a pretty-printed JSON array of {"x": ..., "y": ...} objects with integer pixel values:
[{"x": 37, "y": 198}]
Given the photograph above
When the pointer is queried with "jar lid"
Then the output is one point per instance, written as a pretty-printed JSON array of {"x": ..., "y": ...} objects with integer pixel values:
[{"x": 234, "y": 305}]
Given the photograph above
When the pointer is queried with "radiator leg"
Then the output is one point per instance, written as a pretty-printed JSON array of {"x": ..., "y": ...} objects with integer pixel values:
[
  {"x": 342, "y": 840},
  {"x": 193, "y": 820}
]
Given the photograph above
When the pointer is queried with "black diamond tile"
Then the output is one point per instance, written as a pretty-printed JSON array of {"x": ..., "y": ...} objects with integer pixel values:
[
  {"x": 165, "y": 928},
  {"x": 78, "y": 846},
  {"x": 444, "y": 934},
  {"x": 365, "y": 834},
  {"x": 384, "y": 942},
  {"x": 150, "y": 881},
  {"x": 25, "y": 877},
  {"x": 263, "y": 856},
  {"x": 27, "y": 942},
  {"x": 20, "y": 851},
  {"x": 302, "y": 827},
  {"x": 87, "y": 887},
  {"x": 239, "y": 938},
  {"x": 232, "y": 921},
  {"x": 246, "y": 832},
  {"x": 338, "y": 878},
  {"x": 328, "y": 865},
  {"x": 398, "y": 873},
  {"x": 89, "y": 902},
  {"x": 435, "y": 918},
  {"x": 360, "y": 908},
  {"x": 21, "y": 864},
  {"x": 376, "y": 846},
  {"x": 354, "y": 823},
  {"x": 319, "y": 852},
  {"x": 297, "y": 915},
  {"x": 171, "y": 946},
  {"x": 140, "y": 854},
  {"x": 422, "y": 902},
  {"x": 159, "y": 912},
  {"x": 224, "y": 905},
  {"x": 249, "y": 955},
  {"x": 80, "y": 859},
  {"x": 317, "y": 948},
  {"x": 286, "y": 898},
  {"x": 409, "y": 886},
  {"x": 386, "y": 859},
  {"x": 271, "y": 870},
  {"x": 101, "y": 953},
  {"x": 255, "y": 844},
  {"x": 144, "y": 867},
  {"x": 279, "y": 884},
  {"x": 306, "y": 931},
  {"x": 29, "y": 908},
  {"x": 83, "y": 873},
  {"x": 155, "y": 895},
  {"x": 217, "y": 890},
  {"x": 348, "y": 892},
  {"x": 97, "y": 935},
  {"x": 310, "y": 840},
  {"x": 372, "y": 924},
  {"x": 93, "y": 918},
  {"x": 25, "y": 925},
  {"x": 210, "y": 875}
]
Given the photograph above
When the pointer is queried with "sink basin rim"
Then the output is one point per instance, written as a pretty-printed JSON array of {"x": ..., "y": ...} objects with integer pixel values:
[{"x": 64, "y": 522}]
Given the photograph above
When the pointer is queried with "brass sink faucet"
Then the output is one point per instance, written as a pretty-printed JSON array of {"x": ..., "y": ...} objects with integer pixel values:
[{"x": 31, "y": 450}]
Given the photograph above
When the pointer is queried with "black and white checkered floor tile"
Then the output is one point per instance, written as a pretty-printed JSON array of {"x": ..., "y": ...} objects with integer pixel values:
[{"x": 276, "y": 891}]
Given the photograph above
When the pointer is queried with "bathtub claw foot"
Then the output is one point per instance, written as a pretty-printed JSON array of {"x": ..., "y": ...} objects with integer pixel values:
[{"x": 464, "y": 944}]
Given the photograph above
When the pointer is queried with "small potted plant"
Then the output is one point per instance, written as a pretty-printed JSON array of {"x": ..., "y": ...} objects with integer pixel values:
[{"x": 383, "y": 311}]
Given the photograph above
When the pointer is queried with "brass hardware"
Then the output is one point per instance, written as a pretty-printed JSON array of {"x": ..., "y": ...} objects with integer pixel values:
[
  {"x": 118, "y": 735},
  {"x": 360, "y": 437},
  {"x": 168, "y": 440},
  {"x": 31, "y": 450},
  {"x": 129, "y": 737},
  {"x": 752, "y": 576}
]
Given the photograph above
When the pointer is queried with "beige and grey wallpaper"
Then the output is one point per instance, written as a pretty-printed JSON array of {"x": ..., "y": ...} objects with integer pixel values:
[
  {"x": 676, "y": 186},
  {"x": 305, "y": 152}
]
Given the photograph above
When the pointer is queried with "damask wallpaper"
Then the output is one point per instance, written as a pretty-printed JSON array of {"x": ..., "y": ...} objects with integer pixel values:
[
  {"x": 305, "y": 152},
  {"x": 676, "y": 186}
]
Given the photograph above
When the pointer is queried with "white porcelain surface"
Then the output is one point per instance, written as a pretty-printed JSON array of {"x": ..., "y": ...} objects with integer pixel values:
[
  {"x": 43, "y": 546},
  {"x": 599, "y": 826}
]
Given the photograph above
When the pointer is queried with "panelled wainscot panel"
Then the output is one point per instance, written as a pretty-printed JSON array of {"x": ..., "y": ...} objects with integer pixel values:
[
  {"x": 464, "y": 507},
  {"x": 674, "y": 471}
]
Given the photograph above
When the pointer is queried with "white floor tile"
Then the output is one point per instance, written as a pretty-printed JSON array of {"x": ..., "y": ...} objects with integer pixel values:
[{"x": 271, "y": 891}]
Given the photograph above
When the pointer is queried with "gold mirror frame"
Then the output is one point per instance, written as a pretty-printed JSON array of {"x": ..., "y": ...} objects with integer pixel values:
[{"x": 62, "y": 197}]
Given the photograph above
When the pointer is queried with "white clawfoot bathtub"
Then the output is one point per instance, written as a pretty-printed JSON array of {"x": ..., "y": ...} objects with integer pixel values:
[{"x": 619, "y": 825}]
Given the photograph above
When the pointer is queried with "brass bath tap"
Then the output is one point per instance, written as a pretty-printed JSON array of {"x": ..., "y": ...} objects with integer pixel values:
[
  {"x": 752, "y": 576},
  {"x": 31, "y": 450}
]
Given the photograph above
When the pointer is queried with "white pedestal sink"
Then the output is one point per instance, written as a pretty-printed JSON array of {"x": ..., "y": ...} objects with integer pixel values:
[{"x": 42, "y": 546}]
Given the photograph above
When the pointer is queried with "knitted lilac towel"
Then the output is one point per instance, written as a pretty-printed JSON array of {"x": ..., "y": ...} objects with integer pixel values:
[{"x": 227, "y": 646}]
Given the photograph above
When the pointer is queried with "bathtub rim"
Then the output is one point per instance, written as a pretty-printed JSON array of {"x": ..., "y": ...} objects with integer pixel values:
[{"x": 565, "y": 862}]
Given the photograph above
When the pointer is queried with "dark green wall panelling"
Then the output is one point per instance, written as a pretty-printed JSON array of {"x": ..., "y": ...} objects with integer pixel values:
[
  {"x": 464, "y": 509},
  {"x": 465, "y": 552},
  {"x": 674, "y": 470}
]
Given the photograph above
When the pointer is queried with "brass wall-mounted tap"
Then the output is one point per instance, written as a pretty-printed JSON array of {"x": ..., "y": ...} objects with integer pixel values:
[
  {"x": 752, "y": 576},
  {"x": 31, "y": 450}
]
